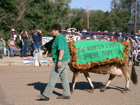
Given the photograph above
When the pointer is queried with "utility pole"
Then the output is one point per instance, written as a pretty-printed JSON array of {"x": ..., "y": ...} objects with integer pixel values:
[
  {"x": 87, "y": 9},
  {"x": 135, "y": 24}
]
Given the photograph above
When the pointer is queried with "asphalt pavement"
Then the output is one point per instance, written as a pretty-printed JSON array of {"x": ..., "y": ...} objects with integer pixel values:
[{"x": 20, "y": 85}]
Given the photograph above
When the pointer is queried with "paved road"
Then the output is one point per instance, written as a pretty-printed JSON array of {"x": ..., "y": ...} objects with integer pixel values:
[{"x": 19, "y": 85}]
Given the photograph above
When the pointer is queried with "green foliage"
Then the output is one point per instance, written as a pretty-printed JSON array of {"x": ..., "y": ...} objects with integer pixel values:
[
  {"x": 31, "y": 14},
  {"x": 40, "y": 14}
]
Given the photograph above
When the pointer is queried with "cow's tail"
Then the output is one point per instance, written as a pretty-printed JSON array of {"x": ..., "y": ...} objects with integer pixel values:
[{"x": 134, "y": 76}]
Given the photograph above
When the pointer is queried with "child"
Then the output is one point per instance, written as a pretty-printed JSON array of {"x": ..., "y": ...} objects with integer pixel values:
[{"x": 36, "y": 61}]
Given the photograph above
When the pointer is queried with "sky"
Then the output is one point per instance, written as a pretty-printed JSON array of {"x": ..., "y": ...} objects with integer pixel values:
[{"x": 103, "y": 5}]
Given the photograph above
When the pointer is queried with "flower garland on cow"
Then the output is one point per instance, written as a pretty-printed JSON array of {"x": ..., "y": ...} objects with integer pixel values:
[{"x": 108, "y": 61}]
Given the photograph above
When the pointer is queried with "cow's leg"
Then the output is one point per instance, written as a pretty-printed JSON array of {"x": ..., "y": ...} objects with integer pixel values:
[
  {"x": 111, "y": 77},
  {"x": 74, "y": 80},
  {"x": 86, "y": 74},
  {"x": 126, "y": 73}
]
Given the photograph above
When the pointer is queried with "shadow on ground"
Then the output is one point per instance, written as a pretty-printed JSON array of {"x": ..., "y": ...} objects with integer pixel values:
[{"x": 79, "y": 85}]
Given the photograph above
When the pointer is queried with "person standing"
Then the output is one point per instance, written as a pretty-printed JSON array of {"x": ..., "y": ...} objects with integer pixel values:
[
  {"x": 3, "y": 46},
  {"x": 36, "y": 39},
  {"x": 13, "y": 34},
  {"x": 24, "y": 43},
  {"x": 61, "y": 58},
  {"x": 12, "y": 46},
  {"x": 112, "y": 39}
]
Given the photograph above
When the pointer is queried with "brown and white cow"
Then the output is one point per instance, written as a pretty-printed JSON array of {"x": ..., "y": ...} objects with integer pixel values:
[{"x": 113, "y": 70}]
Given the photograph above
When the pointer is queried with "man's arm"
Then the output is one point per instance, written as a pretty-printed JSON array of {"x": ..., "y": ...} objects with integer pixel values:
[
  {"x": 61, "y": 53},
  {"x": 4, "y": 44}
]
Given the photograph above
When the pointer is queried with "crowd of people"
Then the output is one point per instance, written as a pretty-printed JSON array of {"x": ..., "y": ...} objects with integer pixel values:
[
  {"x": 35, "y": 39},
  {"x": 134, "y": 52},
  {"x": 73, "y": 36},
  {"x": 36, "y": 42},
  {"x": 76, "y": 36}
]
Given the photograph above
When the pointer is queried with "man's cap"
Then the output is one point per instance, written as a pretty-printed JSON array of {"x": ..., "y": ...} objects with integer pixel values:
[
  {"x": 94, "y": 36},
  {"x": 136, "y": 37},
  {"x": 12, "y": 30}
]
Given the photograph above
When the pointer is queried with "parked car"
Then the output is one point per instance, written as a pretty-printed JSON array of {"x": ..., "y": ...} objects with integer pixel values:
[
  {"x": 99, "y": 35},
  {"x": 132, "y": 36},
  {"x": 64, "y": 32}
]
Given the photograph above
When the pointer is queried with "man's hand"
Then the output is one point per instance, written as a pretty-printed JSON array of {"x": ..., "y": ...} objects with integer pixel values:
[{"x": 59, "y": 64}]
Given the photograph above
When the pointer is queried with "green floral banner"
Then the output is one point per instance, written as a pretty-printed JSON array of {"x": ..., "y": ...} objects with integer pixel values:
[{"x": 94, "y": 51}]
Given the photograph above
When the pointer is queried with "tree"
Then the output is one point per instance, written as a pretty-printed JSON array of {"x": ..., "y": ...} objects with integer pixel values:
[{"x": 30, "y": 14}]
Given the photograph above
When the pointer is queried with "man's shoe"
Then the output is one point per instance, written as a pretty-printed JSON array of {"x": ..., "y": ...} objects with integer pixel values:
[
  {"x": 63, "y": 97},
  {"x": 42, "y": 98}
]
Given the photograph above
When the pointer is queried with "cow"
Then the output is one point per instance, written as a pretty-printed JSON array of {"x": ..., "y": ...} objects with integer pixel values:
[{"x": 105, "y": 69}]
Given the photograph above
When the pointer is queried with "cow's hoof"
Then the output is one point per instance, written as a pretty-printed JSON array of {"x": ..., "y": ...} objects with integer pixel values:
[
  {"x": 71, "y": 91},
  {"x": 102, "y": 89},
  {"x": 125, "y": 90},
  {"x": 89, "y": 90}
]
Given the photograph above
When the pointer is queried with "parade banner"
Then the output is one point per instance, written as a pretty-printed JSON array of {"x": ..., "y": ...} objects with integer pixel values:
[
  {"x": 94, "y": 51},
  {"x": 90, "y": 53}
]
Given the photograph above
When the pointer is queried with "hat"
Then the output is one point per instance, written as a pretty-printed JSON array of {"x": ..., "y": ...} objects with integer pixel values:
[
  {"x": 136, "y": 37},
  {"x": 94, "y": 36},
  {"x": 13, "y": 30}
]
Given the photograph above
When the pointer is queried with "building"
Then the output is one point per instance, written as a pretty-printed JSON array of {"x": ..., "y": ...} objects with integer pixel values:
[{"x": 131, "y": 27}]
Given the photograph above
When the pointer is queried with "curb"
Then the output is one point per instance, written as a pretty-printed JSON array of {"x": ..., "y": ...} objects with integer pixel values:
[
  {"x": 17, "y": 62},
  {"x": 4, "y": 64},
  {"x": 21, "y": 64}
]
